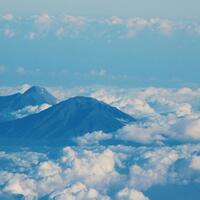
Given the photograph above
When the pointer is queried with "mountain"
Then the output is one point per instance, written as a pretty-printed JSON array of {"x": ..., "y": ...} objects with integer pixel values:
[
  {"x": 35, "y": 96},
  {"x": 73, "y": 117},
  {"x": 32, "y": 97}
]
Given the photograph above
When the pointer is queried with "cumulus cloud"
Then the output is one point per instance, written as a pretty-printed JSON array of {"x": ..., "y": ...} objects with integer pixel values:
[
  {"x": 157, "y": 169},
  {"x": 78, "y": 191},
  {"x": 126, "y": 102},
  {"x": 99, "y": 172},
  {"x": 99, "y": 168},
  {"x": 93, "y": 169},
  {"x": 184, "y": 110},
  {"x": 21, "y": 184},
  {"x": 143, "y": 135},
  {"x": 149, "y": 102},
  {"x": 48, "y": 168},
  {"x": 195, "y": 164},
  {"x": 187, "y": 129},
  {"x": 131, "y": 194},
  {"x": 93, "y": 138}
]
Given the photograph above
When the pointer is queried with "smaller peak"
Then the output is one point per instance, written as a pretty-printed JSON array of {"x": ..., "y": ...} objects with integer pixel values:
[{"x": 39, "y": 95}]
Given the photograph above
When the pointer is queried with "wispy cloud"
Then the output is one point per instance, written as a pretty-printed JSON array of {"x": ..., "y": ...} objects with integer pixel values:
[
  {"x": 21, "y": 71},
  {"x": 2, "y": 69},
  {"x": 9, "y": 33},
  {"x": 8, "y": 17},
  {"x": 100, "y": 72}
]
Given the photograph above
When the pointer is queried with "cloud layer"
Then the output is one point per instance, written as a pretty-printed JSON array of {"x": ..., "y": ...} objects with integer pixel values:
[
  {"x": 112, "y": 172},
  {"x": 65, "y": 26},
  {"x": 161, "y": 149}
]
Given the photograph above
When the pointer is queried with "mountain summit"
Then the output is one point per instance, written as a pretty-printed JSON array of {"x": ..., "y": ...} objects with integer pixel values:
[
  {"x": 73, "y": 117},
  {"x": 35, "y": 96}
]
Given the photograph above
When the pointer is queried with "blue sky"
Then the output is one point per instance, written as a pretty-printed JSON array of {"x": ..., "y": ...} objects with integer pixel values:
[
  {"x": 124, "y": 43},
  {"x": 182, "y": 9}
]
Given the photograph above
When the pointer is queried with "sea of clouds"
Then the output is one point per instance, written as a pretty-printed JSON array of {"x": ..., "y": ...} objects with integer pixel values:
[
  {"x": 162, "y": 148},
  {"x": 97, "y": 172}
]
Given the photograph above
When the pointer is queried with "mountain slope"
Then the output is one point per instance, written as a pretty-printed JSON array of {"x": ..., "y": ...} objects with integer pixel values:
[{"x": 68, "y": 119}]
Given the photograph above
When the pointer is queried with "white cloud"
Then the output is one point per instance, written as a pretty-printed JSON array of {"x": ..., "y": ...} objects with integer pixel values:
[
  {"x": 95, "y": 169},
  {"x": 163, "y": 25},
  {"x": 135, "y": 25},
  {"x": 142, "y": 106},
  {"x": 24, "y": 88},
  {"x": 97, "y": 172},
  {"x": 131, "y": 194},
  {"x": 8, "y": 17},
  {"x": 198, "y": 30},
  {"x": 9, "y": 33},
  {"x": 195, "y": 164},
  {"x": 28, "y": 110},
  {"x": 90, "y": 170},
  {"x": 78, "y": 191},
  {"x": 155, "y": 170},
  {"x": 21, "y": 184},
  {"x": 60, "y": 32},
  {"x": 140, "y": 134},
  {"x": 184, "y": 110},
  {"x": 43, "y": 20},
  {"x": 137, "y": 22},
  {"x": 75, "y": 25},
  {"x": 31, "y": 35},
  {"x": 100, "y": 72},
  {"x": 21, "y": 71},
  {"x": 2, "y": 69},
  {"x": 93, "y": 138},
  {"x": 76, "y": 20},
  {"x": 185, "y": 91},
  {"x": 187, "y": 129},
  {"x": 115, "y": 20},
  {"x": 48, "y": 168}
]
